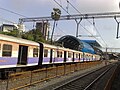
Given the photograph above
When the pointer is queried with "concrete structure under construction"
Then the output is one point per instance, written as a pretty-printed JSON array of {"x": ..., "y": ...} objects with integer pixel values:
[{"x": 44, "y": 28}]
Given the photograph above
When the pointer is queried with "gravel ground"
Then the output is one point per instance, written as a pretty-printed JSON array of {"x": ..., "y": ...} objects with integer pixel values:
[
  {"x": 116, "y": 82},
  {"x": 101, "y": 83},
  {"x": 52, "y": 83}
]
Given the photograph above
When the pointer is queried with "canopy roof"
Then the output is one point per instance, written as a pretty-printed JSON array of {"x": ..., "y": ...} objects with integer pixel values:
[
  {"x": 74, "y": 43},
  {"x": 92, "y": 42},
  {"x": 70, "y": 42}
]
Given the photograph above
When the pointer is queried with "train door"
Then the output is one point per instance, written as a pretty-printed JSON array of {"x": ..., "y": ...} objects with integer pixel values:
[
  {"x": 22, "y": 56},
  {"x": 73, "y": 57},
  {"x": 65, "y": 56},
  {"x": 79, "y": 57},
  {"x": 51, "y": 55}
]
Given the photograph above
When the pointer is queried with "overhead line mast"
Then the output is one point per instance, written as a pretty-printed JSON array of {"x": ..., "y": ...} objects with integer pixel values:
[{"x": 73, "y": 17}]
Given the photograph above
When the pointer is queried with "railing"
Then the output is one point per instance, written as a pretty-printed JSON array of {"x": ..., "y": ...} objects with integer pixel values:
[{"x": 23, "y": 79}]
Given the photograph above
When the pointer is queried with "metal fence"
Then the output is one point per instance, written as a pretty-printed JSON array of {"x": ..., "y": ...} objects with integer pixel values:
[{"x": 23, "y": 79}]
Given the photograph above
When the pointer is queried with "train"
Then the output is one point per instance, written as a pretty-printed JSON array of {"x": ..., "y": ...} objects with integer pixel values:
[{"x": 21, "y": 53}]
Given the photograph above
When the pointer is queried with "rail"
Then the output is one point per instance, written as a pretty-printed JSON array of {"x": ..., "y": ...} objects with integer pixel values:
[{"x": 86, "y": 81}]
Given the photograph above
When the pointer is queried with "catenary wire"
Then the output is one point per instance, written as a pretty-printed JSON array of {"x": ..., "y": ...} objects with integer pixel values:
[
  {"x": 80, "y": 24},
  {"x": 87, "y": 20},
  {"x": 12, "y": 12}
]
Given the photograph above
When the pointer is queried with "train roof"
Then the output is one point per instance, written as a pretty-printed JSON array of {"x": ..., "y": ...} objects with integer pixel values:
[
  {"x": 58, "y": 47},
  {"x": 17, "y": 40}
]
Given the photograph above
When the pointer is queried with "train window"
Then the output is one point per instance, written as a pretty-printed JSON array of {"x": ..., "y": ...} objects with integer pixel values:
[
  {"x": 7, "y": 50},
  {"x": 59, "y": 54},
  {"x": 82, "y": 56},
  {"x": 69, "y": 55},
  {"x": 35, "y": 52},
  {"x": 45, "y": 53},
  {"x": 76, "y": 55}
]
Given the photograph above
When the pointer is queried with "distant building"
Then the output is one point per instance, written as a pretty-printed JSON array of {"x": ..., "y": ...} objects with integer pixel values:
[
  {"x": 95, "y": 45},
  {"x": 21, "y": 27},
  {"x": 89, "y": 46},
  {"x": 7, "y": 28},
  {"x": 44, "y": 28}
]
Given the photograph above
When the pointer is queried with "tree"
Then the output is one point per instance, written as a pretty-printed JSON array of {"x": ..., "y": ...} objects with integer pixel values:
[
  {"x": 34, "y": 35},
  {"x": 56, "y": 16},
  {"x": 14, "y": 33}
]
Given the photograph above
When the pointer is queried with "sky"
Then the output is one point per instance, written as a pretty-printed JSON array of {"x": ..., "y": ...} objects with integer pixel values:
[{"x": 106, "y": 28}]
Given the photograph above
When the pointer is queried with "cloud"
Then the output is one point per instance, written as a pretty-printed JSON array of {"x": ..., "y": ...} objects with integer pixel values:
[
  {"x": 21, "y": 4},
  {"x": 81, "y": 5},
  {"x": 97, "y": 5}
]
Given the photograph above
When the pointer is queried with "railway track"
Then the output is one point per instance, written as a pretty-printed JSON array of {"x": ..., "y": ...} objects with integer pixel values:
[
  {"x": 90, "y": 81},
  {"x": 113, "y": 82}
]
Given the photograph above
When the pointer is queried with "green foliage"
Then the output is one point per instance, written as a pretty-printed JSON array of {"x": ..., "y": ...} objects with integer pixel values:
[
  {"x": 56, "y": 14},
  {"x": 34, "y": 35},
  {"x": 14, "y": 33}
]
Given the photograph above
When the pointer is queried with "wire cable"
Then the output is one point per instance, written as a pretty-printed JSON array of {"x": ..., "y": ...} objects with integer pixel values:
[
  {"x": 12, "y": 12},
  {"x": 87, "y": 20},
  {"x": 61, "y": 7},
  {"x": 80, "y": 24},
  {"x": 7, "y": 20}
]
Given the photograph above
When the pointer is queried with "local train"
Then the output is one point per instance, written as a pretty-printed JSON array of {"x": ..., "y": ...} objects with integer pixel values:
[{"x": 17, "y": 52}]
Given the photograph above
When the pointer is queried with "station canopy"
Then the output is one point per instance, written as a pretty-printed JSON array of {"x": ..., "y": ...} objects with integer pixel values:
[
  {"x": 93, "y": 43},
  {"x": 74, "y": 43}
]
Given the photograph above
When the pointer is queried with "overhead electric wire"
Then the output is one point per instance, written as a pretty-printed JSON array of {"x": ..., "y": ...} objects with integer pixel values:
[
  {"x": 101, "y": 36},
  {"x": 56, "y": 26},
  {"x": 62, "y": 7},
  {"x": 76, "y": 9},
  {"x": 87, "y": 20},
  {"x": 7, "y": 20},
  {"x": 12, "y": 12},
  {"x": 61, "y": 30},
  {"x": 80, "y": 24}
]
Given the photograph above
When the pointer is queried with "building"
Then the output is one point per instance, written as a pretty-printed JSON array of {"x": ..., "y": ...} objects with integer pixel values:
[
  {"x": 95, "y": 45},
  {"x": 7, "y": 28},
  {"x": 74, "y": 43},
  {"x": 21, "y": 27},
  {"x": 44, "y": 28}
]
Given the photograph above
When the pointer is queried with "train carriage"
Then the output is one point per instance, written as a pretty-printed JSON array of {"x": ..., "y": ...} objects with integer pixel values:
[
  {"x": 16, "y": 52},
  {"x": 21, "y": 53},
  {"x": 52, "y": 54},
  {"x": 59, "y": 55},
  {"x": 77, "y": 56},
  {"x": 96, "y": 57},
  {"x": 88, "y": 57},
  {"x": 33, "y": 55},
  {"x": 69, "y": 55}
]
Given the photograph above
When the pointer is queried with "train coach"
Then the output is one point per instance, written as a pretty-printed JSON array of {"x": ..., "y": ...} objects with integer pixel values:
[{"x": 21, "y": 53}]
